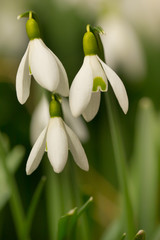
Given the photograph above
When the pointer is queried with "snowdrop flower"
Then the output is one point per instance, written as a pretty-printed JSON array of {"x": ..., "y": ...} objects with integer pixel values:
[
  {"x": 40, "y": 118},
  {"x": 42, "y": 63},
  {"x": 77, "y": 124},
  {"x": 56, "y": 138},
  {"x": 148, "y": 22},
  {"x": 122, "y": 47},
  {"x": 91, "y": 80}
]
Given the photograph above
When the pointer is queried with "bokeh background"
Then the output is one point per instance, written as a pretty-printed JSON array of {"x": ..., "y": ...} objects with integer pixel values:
[{"x": 132, "y": 48}]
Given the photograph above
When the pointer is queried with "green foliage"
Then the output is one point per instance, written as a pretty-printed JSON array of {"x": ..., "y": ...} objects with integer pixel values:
[
  {"x": 67, "y": 223},
  {"x": 13, "y": 158},
  {"x": 140, "y": 235}
]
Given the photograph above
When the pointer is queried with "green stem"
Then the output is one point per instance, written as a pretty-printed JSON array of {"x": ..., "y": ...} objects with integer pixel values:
[
  {"x": 118, "y": 152},
  {"x": 84, "y": 232},
  {"x": 15, "y": 202},
  {"x": 121, "y": 168}
]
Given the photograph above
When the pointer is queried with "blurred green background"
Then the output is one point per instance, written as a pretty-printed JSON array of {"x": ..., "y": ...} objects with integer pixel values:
[{"x": 63, "y": 24}]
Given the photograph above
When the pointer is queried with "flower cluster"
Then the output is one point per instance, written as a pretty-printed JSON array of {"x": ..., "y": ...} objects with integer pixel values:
[{"x": 56, "y": 136}]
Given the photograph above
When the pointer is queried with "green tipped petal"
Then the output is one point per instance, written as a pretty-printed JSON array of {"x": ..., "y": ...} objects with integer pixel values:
[
  {"x": 32, "y": 29},
  {"x": 99, "y": 84},
  {"x": 90, "y": 44}
]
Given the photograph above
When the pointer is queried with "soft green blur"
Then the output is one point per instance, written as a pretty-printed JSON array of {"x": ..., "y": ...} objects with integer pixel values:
[{"x": 136, "y": 59}]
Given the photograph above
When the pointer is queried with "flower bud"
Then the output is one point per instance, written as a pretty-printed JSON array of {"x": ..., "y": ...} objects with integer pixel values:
[
  {"x": 32, "y": 29},
  {"x": 55, "y": 108},
  {"x": 90, "y": 44}
]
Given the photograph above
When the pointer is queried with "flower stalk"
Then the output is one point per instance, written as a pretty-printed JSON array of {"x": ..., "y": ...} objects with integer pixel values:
[{"x": 118, "y": 151}]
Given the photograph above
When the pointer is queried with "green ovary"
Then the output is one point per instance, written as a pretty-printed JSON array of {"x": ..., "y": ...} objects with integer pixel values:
[{"x": 98, "y": 84}]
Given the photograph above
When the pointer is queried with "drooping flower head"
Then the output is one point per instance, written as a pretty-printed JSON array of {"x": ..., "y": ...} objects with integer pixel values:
[
  {"x": 41, "y": 116},
  {"x": 40, "y": 62},
  {"x": 56, "y": 138},
  {"x": 91, "y": 80}
]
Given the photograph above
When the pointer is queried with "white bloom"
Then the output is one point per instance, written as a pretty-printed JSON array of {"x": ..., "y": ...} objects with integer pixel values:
[
  {"x": 122, "y": 47},
  {"x": 40, "y": 118},
  {"x": 145, "y": 15},
  {"x": 45, "y": 67},
  {"x": 90, "y": 80},
  {"x": 57, "y": 137},
  {"x": 77, "y": 124}
]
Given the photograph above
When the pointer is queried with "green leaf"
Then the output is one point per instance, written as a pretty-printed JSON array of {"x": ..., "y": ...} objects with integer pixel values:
[
  {"x": 67, "y": 223},
  {"x": 4, "y": 188},
  {"x": 4, "y": 143},
  {"x": 140, "y": 235},
  {"x": 84, "y": 207},
  {"x": 34, "y": 202},
  {"x": 15, "y": 157},
  {"x": 145, "y": 167},
  {"x": 114, "y": 231},
  {"x": 123, "y": 236},
  {"x": 156, "y": 235},
  {"x": 13, "y": 160}
]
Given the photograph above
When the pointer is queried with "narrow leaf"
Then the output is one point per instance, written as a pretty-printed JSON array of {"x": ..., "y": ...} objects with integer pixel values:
[
  {"x": 4, "y": 143},
  {"x": 34, "y": 203},
  {"x": 13, "y": 160},
  {"x": 85, "y": 206},
  {"x": 15, "y": 157},
  {"x": 66, "y": 223},
  {"x": 145, "y": 167},
  {"x": 140, "y": 235}
]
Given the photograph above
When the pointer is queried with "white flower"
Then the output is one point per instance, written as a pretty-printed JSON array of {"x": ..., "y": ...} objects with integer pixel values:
[
  {"x": 145, "y": 15},
  {"x": 122, "y": 47},
  {"x": 40, "y": 118},
  {"x": 57, "y": 138},
  {"x": 45, "y": 67},
  {"x": 77, "y": 124},
  {"x": 90, "y": 80}
]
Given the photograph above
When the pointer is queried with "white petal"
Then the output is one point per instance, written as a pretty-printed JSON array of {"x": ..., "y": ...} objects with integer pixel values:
[
  {"x": 57, "y": 144},
  {"x": 43, "y": 65},
  {"x": 93, "y": 106},
  {"x": 23, "y": 79},
  {"x": 76, "y": 149},
  {"x": 36, "y": 152},
  {"x": 121, "y": 42},
  {"x": 117, "y": 85},
  {"x": 63, "y": 86},
  {"x": 77, "y": 124},
  {"x": 81, "y": 88},
  {"x": 98, "y": 71},
  {"x": 40, "y": 118}
]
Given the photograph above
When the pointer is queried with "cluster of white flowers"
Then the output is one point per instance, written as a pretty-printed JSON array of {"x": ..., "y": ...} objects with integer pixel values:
[{"x": 56, "y": 136}]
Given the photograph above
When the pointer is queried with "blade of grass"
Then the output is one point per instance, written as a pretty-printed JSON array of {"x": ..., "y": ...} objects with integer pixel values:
[
  {"x": 15, "y": 200},
  {"x": 53, "y": 200},
  {"x": 66, "y": 225},
  {"x": 140, "y": 235},
  {"x": 145, "y": 164},
  {"x": 121, "y": 168},
  {"x": 34, "y": 202}
]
